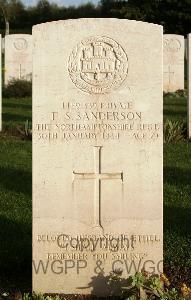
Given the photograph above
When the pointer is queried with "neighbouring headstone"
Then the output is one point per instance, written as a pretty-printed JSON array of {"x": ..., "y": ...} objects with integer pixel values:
[
  {"x": 0, "y": 83},
  {"x": 97, "y": 153},
  {"x": 186, "y": 49},
  {"x": 173, "y": 62},
  {"x": 18, "y": 57},
  {"x": 189, "y": 85}
]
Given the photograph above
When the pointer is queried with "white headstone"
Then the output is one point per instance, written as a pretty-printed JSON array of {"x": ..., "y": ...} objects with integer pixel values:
[
  {"x": 173, "y": 62},
  {"x": 189, "y": 85},
  {"x": 97, "y": 152},
  {"x": 18, "y": 57}
]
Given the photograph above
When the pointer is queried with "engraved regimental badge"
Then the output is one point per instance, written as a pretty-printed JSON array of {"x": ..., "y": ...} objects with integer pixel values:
[
  {"x": 20, "y": 44},
  {"x": 97, "y": 65},
  {"x": 172, "y": 45}
]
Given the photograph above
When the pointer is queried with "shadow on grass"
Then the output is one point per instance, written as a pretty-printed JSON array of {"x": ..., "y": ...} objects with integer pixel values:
[
  {"x": 177, "y": 176},
  {"x": 174, "y": 114},
  {"x": 17, "y": 105},
  {"x": 177, "y": 220},
  {"x": 15, "y": 254},
  {"x": 177, "y": 246},
  {"x": 102, "y": 286},
  {"x": 182, "y": 104},
  {"x": 16, "y": 180},
  {"x": 15, "y": 118}
]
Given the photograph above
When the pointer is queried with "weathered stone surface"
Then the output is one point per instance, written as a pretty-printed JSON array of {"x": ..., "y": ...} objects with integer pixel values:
[
  {"x": 173, "y": 62},
  {"x": 97, "y": 152},
  {"x": 189, "y": 84},
  {"x": 18, "y": 57}
]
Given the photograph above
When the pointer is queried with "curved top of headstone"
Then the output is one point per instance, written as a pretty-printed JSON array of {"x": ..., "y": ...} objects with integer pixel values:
[
  {"x": 173, "y": 42},
  {"x": 172, "y": 38},
  {"x": 173, "y": 35},
  {"x": 18, "y": 35},
  {"x": 107, "y": 21}
]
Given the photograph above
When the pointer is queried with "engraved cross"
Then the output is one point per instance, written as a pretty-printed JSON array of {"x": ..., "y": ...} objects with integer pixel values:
[
  {"x": 97, "y": 176},
  {"x": 20, "y": 72},
  {"x": 169, "y": 74}
]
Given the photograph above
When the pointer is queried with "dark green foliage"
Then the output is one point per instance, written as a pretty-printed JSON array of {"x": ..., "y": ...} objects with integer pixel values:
[
  {"x": 143, "y": 286},
  {"x": 18, "y": 88},
  {"x": 25, "y": 131},
  {"x": 174, "y": 131},
  {"x": 174, "y": 15}
]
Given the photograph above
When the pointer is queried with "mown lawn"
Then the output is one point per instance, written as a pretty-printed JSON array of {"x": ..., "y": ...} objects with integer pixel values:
[
  {"x": 15, "y": 212},
  {"x": 175, "y": 107},
  {"x": 15, "y": 113},
  {"x": 15, "y": 199},
  {"x": 177, "y": 197}
]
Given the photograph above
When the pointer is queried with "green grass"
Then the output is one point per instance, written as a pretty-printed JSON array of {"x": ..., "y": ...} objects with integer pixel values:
[
  {"x": 15, "y": 199},
  {"x": 175, "y": 108},
  {"x": 15, "y": 214},
  {"x": 177, "y": 211},
  {"x": 16, "y": 112}
]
